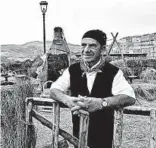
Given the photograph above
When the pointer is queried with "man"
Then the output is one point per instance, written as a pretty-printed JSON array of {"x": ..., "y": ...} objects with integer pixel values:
[{"x": 97, "y": 87}]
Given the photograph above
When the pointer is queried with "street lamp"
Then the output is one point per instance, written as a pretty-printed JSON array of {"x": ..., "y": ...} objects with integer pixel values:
[{"x": 44, "y": 5}]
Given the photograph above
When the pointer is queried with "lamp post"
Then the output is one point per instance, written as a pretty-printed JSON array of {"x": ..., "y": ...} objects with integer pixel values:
[{"x": 44, "y": 5}]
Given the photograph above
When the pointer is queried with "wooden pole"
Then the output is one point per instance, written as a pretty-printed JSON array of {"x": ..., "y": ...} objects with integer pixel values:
[
  {"x": 118, "y": 124},
  {"x": 137, "y": 110},
  {"x": 152, "y": 141},
  {"x": 29, "y": 125},
  {"x": 114, "y": 39},
  {"x": 83, "y": 134},
  {"x": 56, "y": 121}
]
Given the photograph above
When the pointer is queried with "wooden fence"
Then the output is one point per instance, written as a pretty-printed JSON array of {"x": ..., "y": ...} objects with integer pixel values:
[
  {"x": 134, "y": 110},
  {"x": 84, "y": 123}
]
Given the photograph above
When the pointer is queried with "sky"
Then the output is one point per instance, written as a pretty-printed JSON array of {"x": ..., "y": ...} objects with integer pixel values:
[{"x": 22, "y": 20}]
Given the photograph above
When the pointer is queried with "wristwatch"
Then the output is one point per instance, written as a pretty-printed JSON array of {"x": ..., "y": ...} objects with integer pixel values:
[{"x": 104, "y": 102}]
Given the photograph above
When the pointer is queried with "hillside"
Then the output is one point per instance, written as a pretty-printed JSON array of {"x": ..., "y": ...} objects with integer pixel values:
[{"x": 30, "y": 50}]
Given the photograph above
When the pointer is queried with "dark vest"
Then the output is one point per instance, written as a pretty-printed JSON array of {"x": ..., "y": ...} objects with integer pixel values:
[{"x": 100, "y": 134}]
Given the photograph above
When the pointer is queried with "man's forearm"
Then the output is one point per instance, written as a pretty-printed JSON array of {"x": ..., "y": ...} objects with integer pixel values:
[
  {"x": 58, "y": 95},
  {"x": 119, "y": 101}
]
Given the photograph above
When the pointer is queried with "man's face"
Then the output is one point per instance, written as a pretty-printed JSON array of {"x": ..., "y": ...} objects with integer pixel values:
[{"x": 91, "y": 50}]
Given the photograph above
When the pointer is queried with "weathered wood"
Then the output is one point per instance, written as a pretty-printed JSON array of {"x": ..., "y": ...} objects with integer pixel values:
[
  {"x": 73, "y": 140},
  {"x": 137, "y": 110},
  {"x": 48, "y": 102},
  {"x": 118, "y": 125},
  {"x": 83, "y": 134},
  {"x": 29, "y": 125},
  {"x": 41, "y": 101},
  {"x": 114, "y": 39},
  {"x": 45, "y": 101},
  {"x": 152, "y": 140},
  {"x": 56, "y": 121}
]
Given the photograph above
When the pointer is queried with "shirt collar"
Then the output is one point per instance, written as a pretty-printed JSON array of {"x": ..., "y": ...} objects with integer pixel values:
[{"x": 95, "y": 68}]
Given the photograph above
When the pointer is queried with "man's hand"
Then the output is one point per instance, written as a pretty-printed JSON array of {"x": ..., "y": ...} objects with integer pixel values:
[
  {"x": 72, "y": 103},
  {"x": 75, "y": 107},
  {"x": 67, "y": 100},
  {"x": 90, "y": 104}
]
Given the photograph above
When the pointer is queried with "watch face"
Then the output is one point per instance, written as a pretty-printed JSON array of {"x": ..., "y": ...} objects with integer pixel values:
[{"x": 104, "y": 103}]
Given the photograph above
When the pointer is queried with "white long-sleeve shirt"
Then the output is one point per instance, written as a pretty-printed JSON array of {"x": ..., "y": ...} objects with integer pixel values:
[{"x": 119, "y": 86}]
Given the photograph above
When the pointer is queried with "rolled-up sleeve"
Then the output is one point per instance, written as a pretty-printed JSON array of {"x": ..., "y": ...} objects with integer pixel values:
[
  {"x": 63, "y": 82},
  {"x": 121, "y": 86}
]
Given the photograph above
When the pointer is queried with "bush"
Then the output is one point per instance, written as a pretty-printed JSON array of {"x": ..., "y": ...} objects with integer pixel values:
[
  {"x": 139, "y": 65},
  {"x": 136, "y": 66}
]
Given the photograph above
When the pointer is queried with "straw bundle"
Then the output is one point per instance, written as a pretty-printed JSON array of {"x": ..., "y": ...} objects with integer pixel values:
[
  {"x": 148, "y": 74},
  {"x": 121, "y": 65},
  {"x": 145, "y": 91},
  {"x": 13, "y": 124}
]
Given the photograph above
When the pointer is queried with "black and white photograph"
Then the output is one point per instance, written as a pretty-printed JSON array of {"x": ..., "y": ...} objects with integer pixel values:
[{"x": 78, "y": 74}]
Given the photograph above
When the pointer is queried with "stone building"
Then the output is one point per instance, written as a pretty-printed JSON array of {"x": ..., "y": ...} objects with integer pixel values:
[{"x": 137, "y": 45}]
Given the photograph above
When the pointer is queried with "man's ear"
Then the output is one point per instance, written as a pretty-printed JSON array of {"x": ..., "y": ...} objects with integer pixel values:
[{"x": 103, "y": 49}]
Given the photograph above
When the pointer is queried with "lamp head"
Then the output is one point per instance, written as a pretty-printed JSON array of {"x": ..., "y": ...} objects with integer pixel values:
[{"x": 43, "y": 5}]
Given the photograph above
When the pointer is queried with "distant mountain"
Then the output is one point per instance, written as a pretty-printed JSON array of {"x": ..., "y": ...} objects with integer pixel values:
[{"x": 29, "y": 50}]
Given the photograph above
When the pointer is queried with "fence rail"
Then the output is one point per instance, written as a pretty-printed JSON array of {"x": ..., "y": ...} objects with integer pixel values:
[
  {"x": 56, "y": 131},
  {"x": 134, "y": 110},
  {"x": 84, "y": 123}
]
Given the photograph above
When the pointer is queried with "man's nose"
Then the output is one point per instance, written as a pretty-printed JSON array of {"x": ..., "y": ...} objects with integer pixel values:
[{"x": 86, "y": 49}]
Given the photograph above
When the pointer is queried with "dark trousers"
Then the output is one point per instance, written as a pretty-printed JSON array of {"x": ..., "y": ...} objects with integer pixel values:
[{"x": 100, "y": 132}]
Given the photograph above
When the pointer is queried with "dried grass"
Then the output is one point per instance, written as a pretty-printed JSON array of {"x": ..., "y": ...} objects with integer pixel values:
[
  {"x": 148, "y": 74},
  {"x": 122, "y": 65},
  {"x": 13, "y": 124},
  {"x": 145, "y": 91}
]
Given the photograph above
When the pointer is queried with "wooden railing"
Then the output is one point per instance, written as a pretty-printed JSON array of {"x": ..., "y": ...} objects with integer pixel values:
[
  {"x": 56, "y": 131},
  {"x": 84, "y": 123},
  {"x": 134, "y": 110}
]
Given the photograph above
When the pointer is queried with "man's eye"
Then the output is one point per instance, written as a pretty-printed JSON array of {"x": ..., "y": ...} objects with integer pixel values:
[
  {"x": 93, "y": 45},
  {"x": 83, "y": 45}
]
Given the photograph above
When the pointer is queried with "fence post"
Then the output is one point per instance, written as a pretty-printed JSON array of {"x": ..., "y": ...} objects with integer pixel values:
[
  {"x": 118, "y": 125},
  {"x": 56, "y": 121},
  {"x": 152, "y": 141},
  {"x": 83, "y": 134},
  {"x": 29, "y": 126}
]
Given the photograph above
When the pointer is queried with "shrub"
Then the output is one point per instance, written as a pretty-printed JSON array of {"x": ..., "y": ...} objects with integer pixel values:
[{"x": 138, "y": 65}]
